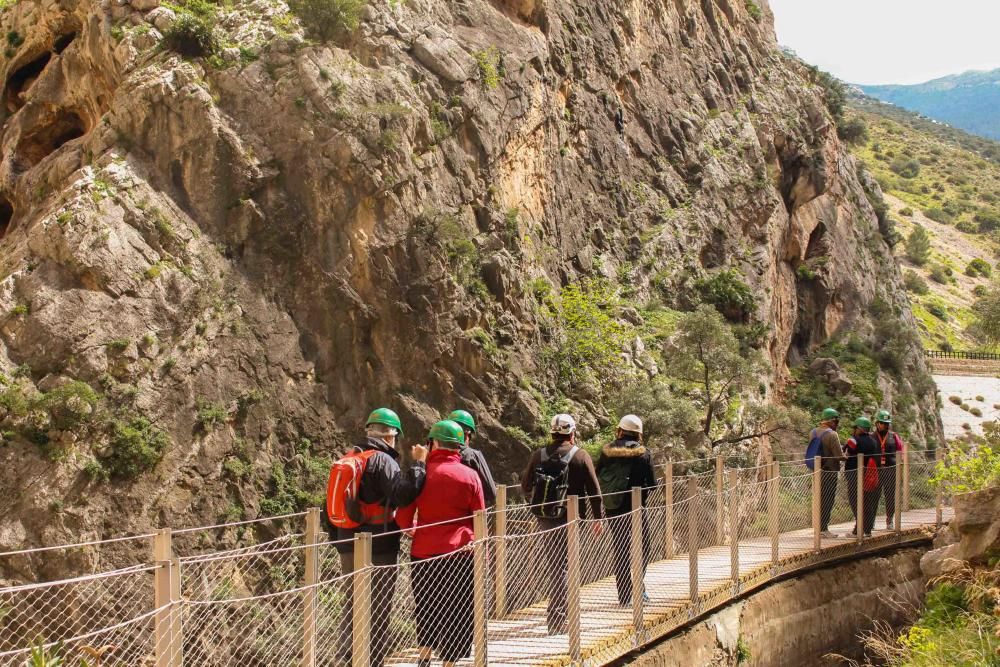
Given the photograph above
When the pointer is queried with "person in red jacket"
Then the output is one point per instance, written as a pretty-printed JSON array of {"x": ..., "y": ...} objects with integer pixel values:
[{"x": 441, "y": 574}]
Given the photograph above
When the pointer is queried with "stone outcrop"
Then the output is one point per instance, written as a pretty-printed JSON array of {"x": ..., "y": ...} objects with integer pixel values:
[
  {"x": 252, "y": 250},
  {"x": 971, "y": 538}
]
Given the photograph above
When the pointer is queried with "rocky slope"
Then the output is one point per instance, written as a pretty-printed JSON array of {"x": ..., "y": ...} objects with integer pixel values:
[{"x": 228, "y": 261}]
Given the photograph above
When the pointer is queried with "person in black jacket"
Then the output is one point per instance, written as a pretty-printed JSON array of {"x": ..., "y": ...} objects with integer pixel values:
[
  {"x": 384, "y": 483},
  {"x": 473, "y": 458},
  {"x": 624, "y": 464},
  {"x": 862, "y": 443}
]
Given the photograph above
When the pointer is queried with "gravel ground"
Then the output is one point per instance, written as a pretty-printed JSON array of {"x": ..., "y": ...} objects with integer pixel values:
[{"x": 967, "y": 388}]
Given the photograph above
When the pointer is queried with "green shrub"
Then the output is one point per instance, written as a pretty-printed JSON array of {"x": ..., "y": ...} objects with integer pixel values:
[
  {"x": 191, "y": 35},
  {"x": 70, "y": 405},
  {"x": 965, "y": 406},
  {"x": 906, "y": 212},
  {"x": 854, "y": 131},
  {"x": 918, "y": 246},
  {"x": 136, "y": 447},
  {"x": 915, "y": 283},
  {"x": 940, "y": 274},
  {"x": 938, "y": 214},
  {"x": 966, "y": 227},
  {"x": 987, "y": 219},
  {"x": 976, "y": 412},
  {"x": 488, "y": 62},
  {"x": 211, "y": 414},
  {"x": 938, "y": 310},
  {"x": 96, "y": 472},
  {"x": 753, "y": 9},
  {"x": 905, "y": 168},
  {"x": 980, "y": 399},
  {"x": 731, "y": 296},
  {"x": 119, "y": 344},
  {"x": 955, "y": 399},
  {"x": 979, "y": 291},
  {"x": 972, "y": 470},
  {"x": 979, "y": 267},
  {"x": 326, "y": 20}
]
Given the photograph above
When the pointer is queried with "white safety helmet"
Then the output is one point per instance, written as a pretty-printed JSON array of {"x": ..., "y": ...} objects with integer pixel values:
[
  {"x": 630, "y": 423},
  {"x": 563, "y": 424}
]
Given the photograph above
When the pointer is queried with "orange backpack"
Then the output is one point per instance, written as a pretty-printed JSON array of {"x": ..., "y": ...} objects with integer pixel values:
[{"x": 344, "y": 508}]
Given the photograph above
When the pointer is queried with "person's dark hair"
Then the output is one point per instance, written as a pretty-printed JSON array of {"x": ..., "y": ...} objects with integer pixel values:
[
  {"x": 561, "y": 437},
  {"x": 454, "y": 446}
]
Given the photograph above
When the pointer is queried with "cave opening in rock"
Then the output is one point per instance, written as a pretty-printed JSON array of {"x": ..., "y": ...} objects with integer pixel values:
[
  {"x": 6, "y": 215},
  {"x": 63, "y": 41},
  {"x": 22, "y": 79},
  {"x": 47, "y": 138}
]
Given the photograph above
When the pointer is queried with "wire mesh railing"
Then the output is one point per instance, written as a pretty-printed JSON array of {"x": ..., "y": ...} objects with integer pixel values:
[{"x": 525, "y": 590}]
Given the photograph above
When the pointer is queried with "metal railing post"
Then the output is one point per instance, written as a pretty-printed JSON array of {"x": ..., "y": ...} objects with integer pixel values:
[
  {"x": 772, "y": 515},
  {"x": 500, "y": 551},
  {"x": 362, "y": 608},
  {"x": 573, "y": 578},
  {"x": 860, "y": 481},
  {"x": 734, "y": 530},
  {"x": 636, "y": 561},
  {"x": 692, "y": 541},
  {"x": 817, "y": 489},
  {"x": 906, "y": 479},
  {"x": 898, "y": 509},
  {"x": 309, "y": 595},
  {"x": 668, "y": 504},
  {"x": 720, "y": 535},
  {"x": 479, "y": 583},
  {"x": 163, "y": 597}
]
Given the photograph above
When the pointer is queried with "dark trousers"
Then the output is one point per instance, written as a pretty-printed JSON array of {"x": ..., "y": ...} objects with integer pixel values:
[
  {"x": 621, "y": 546},
  {"x": 887, "y": 480},
  {"x": 828, "y": 494},
  {"x": 870, "y": 501},
  {"x": 557, "y": 565},
  {"x": 442, "y": 596},
  {"x": 383, "y": 590}
]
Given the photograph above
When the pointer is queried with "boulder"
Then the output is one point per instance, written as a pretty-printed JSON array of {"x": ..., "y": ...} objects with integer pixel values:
[
  {"x": 443, "y": 56},
  {"x": 162, "y": 18},
  {"x": 145, "y": 5},
  {"x": 830, "y": 372},
  {"x": 976, "y": 527}
]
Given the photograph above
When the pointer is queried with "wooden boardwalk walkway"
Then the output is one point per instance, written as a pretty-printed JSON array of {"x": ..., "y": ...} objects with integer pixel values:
[{"x": 607, "y": 629}]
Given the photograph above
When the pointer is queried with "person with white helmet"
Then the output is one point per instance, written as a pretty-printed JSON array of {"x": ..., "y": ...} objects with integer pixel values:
[
  {"x": 624, "y": 464},
  {"x": 555, "y": 472}
]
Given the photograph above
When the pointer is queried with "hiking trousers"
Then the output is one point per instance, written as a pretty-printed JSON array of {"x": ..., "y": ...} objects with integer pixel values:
[
  {"x": 442, "y": 597},
  {"x": 556, "y": 558},
  {"x": 828, "y": 495},
  {"x": 620, "y": 526},
  {"x": 870, "y": 499},
  {"x": 887, "y": 483},
  {"x": 383, "y": 591}
]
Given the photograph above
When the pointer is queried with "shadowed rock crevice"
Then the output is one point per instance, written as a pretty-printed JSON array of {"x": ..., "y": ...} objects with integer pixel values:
[
  {"x": 6, "y": 215},
  {"x": 21, "y": 81},
  {"x": 46, "y": 138}
]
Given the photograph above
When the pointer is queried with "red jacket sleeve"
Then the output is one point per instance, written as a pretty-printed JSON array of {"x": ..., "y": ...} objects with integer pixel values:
[{"x": 405, "y": 516}]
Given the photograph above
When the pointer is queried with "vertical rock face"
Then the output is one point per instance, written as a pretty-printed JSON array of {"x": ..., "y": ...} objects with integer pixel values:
[{"x": 254, "y": 250}]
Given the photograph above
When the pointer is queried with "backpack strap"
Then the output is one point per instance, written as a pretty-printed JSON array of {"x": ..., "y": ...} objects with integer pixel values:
[
  {"x": 568, "y": 456},
  {"x": 544, "y": 456}
]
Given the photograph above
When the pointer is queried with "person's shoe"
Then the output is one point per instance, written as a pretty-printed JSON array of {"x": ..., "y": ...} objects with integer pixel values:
[
  {"x": 868, "y": 534},
  {"x": 826, "y": 534},
  {"x": 645, "y": 596},
  {"x": 888, "y": 524}
]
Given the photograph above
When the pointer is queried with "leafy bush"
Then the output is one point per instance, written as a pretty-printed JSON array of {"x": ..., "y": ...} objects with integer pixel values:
[
  {"x": 976, "y": 412},
  {"x": 940, "y": 274},
  {"x": 905, "y": 168},
  {"x": 753, "y": 9},
  {"x": 191, "y": 35},
  {"x": 988, "y": 220},
  {"x": 965, "y": 406},
  {"x": 730, "y": 295},
  {"x": 70, "y": 405},
  {"x": 834, "y": 93},
  {"x": 979, "y": 267},
  {"x": 211, "y": 414},
  {"x": 136, "y": 447},
  {"x": 938, "y": 214},
  {"x": 955, "y": 399},
  {"x": 326, "y": 20},
  {"x": 980, "y": 399},
  {"x": 938, "y": 310},
  {"x": 906, "y": 212},
  {"x": 972, "y": 470},
  {"x": 966, "y": 227},
  {"x": 979, "y": 291},
  {"x": 488, "y": 62},
  {"x": 854, "y": 131},
  {"x": 915, "y": 283},
  {"x": 918, "y": 246}
]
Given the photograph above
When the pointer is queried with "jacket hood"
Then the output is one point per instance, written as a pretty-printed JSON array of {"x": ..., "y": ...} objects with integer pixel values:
[{"x": 624, "y": 449}]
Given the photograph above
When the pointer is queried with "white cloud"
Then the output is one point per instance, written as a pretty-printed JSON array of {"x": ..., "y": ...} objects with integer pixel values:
[{"x": 891, "y": 41}]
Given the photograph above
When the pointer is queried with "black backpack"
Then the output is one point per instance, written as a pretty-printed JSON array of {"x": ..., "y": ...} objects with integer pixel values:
[{"x": 548, "y": 496}]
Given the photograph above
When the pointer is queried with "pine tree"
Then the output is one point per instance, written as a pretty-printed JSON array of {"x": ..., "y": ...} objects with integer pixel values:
[{"x": 918, "y": 246}]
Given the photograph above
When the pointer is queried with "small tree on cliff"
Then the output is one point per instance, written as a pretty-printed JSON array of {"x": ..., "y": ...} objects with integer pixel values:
[
  {"x": 986, "y": 326},
  {"x": 918, "y": 246},
  {"x": 706, "y": 355}
]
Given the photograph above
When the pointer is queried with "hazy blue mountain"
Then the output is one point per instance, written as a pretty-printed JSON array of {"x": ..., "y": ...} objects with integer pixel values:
[{"x": 970, "y": 101}]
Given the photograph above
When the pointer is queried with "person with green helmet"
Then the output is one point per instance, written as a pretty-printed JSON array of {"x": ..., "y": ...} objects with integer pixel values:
[
  {"x": 382, "y": 483},
  {"x": 862, "y": 443},
  {"x": 889, "y": 444},
  {"x": 831, "y": 458},
  {"x": 441, "y": 572},
  {"x": 473, "y": 457}
]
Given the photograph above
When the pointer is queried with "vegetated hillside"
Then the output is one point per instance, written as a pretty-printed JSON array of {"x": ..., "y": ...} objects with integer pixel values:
[
  {"x": 229, "y": 235},
  {"x": 970, "y": 101},
  {"x": 934, "y": 181}
]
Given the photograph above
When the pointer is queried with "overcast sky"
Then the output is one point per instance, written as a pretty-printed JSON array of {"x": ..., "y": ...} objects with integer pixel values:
[{"x": 891, "y": 41}]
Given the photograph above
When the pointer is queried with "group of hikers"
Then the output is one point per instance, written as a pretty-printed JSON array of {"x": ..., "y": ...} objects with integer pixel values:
[
  {"x": 878, "y": 447},
  {"x": 434, "y": 500}
]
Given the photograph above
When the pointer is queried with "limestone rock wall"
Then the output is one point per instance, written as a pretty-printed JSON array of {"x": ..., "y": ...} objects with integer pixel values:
[{"x": 276, "y": 230}]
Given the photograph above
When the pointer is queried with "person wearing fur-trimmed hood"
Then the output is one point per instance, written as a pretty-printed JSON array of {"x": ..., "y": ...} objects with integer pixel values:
[{"x": 624, "y": 464}]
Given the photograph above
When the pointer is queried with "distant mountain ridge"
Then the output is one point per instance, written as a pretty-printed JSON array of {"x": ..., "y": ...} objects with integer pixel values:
[{"x": 970, "y": 101}]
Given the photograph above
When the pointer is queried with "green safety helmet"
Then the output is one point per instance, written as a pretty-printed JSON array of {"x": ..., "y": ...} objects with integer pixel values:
[
  {"x": 863, "y": 422},
  {"x": 883, "y": 416},
  {"x": 830, "y": 414},
  {"x": 447, "y": 431},
  {"x": 464, "y": 418},
  {"x": 386, "y": 417}
]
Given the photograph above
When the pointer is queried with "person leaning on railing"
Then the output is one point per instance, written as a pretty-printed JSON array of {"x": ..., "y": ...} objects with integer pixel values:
[
  {"x": 442, "y": 519},
  {"x": 567, "y": 470}
]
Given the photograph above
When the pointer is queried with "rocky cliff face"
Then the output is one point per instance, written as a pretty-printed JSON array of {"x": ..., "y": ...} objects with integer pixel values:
[{"x": 229, "y": 261}]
